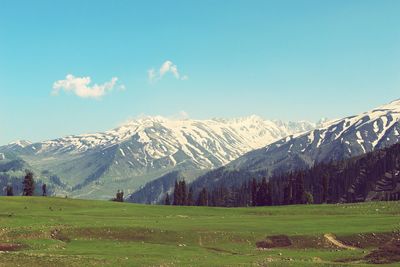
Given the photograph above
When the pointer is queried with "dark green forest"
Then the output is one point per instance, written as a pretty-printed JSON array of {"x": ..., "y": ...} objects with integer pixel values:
[{"x": 372, "y": 176}]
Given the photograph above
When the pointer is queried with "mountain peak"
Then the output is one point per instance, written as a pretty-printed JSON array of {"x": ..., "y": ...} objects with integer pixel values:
[{"x": 20, "y": 143}]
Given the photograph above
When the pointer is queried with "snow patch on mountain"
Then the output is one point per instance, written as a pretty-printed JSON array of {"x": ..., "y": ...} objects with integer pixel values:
[{"x": 208, "y": 143}]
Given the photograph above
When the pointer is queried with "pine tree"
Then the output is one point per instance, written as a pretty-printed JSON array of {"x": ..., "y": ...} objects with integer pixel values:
[
  {"x": 262, "y": 193},
  {"x": 325, "y": 184},
  {"x": 44, "y": 190},
  {"x": 202, "y": 200},
  {"x": 183, "y": 193},
  {"x": 287, "y": 194},
  {"x": 28, "y": 184},
  {"x": 190, "y": 197},
  {"x": 299, "y": 197},
  {"x": 254, "y": 192}
]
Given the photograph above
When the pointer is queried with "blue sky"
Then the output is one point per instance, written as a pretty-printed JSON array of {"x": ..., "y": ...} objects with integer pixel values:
[{"x": 290, "y": 60}]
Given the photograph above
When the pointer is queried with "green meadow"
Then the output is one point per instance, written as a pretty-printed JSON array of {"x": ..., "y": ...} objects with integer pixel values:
[{"x": 45, "y": 231}]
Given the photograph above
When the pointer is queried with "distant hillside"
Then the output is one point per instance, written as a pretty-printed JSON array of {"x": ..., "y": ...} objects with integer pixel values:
[{"x": 12, "y": 171}]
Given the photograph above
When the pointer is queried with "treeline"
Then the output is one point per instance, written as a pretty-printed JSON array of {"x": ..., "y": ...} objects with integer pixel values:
[
  {"x": 375, "y": 175},
  {"x": 252, "y": 193}
]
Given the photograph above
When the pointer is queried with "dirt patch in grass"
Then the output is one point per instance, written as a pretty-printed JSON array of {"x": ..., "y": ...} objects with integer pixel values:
[
  {"x": 300, "y": 242},
  {"x": 388, "y": 253},
  {"x": 362, "y": 241},
  {"x": 277, "y": 241},
  {"x": 369, "y": 240},
  {"x": 10, "y": 247},
  {"x": 125, "y": 234},
  {"x": 59, "y": 235},
  {"x": 296, "y": 242}
]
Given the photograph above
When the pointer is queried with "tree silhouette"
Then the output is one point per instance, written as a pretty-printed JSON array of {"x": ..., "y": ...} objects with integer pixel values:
[{"x": 28, "y": 184}]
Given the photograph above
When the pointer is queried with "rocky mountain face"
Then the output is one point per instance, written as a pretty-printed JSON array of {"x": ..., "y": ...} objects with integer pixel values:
[{"x": 97, "y": 165}]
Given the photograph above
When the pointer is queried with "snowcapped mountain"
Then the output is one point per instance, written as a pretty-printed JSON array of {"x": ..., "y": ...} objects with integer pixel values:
[
  {"x": 208, "y": 143},
  {"x": 338, "y": 139},
  {"x": 96, "y": 165},
  {"x": 18, "y": 145}
]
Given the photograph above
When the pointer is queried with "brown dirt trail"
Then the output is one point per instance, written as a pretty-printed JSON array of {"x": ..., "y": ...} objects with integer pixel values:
[{"x": 332, "y": 239}]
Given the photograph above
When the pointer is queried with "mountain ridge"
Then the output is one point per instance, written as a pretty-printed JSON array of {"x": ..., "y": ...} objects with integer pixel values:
[
  {"x": 337, "y": 140},
  {"x": 147, "y": 148}
]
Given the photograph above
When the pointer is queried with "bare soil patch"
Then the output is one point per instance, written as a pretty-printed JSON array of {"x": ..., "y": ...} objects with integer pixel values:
[
  {"x": 388, "y": 253},
  {"x": 123, "y": 234},
  {"x": 368, "y": 240},
  {"x": 277, "y": 241},
  {"x": 10, "y": 247}
]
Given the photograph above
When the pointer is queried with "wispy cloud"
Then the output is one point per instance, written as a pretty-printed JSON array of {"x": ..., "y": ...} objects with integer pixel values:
[
  {"x": 80, "y": 86},
  {"x": 167, "y": 67}
]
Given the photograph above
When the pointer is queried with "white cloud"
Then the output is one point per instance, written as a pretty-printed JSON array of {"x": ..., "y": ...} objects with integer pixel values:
[
  {"x": 81, "y": 87},
  {"x": 167, "y": 67}
]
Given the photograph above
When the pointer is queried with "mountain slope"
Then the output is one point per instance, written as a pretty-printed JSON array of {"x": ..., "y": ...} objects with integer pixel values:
[
  {"x": 337, "y": 140},
  {"x": 96, "y": 165},
  {"x": 12, "y": 172},
  {"x": 368, "y": 177}
]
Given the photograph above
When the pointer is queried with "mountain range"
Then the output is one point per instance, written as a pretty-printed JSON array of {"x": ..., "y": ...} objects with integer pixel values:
[
  {"x": 142, "y": 150},
  {"x": 146, "y": 155}
]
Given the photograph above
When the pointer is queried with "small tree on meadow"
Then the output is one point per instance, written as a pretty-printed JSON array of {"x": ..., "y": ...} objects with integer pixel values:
[
  {"x": 119, "y": 197},
  {"x": 309, "y": 198},
  {"x": 44, "y": 190},
  {"x": 28, "y": 184}
]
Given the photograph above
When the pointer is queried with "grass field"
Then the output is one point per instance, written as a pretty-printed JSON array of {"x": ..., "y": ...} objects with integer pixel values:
[{"x": 40, "y": 231}]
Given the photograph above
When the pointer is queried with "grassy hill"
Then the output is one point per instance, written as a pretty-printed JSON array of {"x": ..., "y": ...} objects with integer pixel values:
[{"x": 40, "y": 231}]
